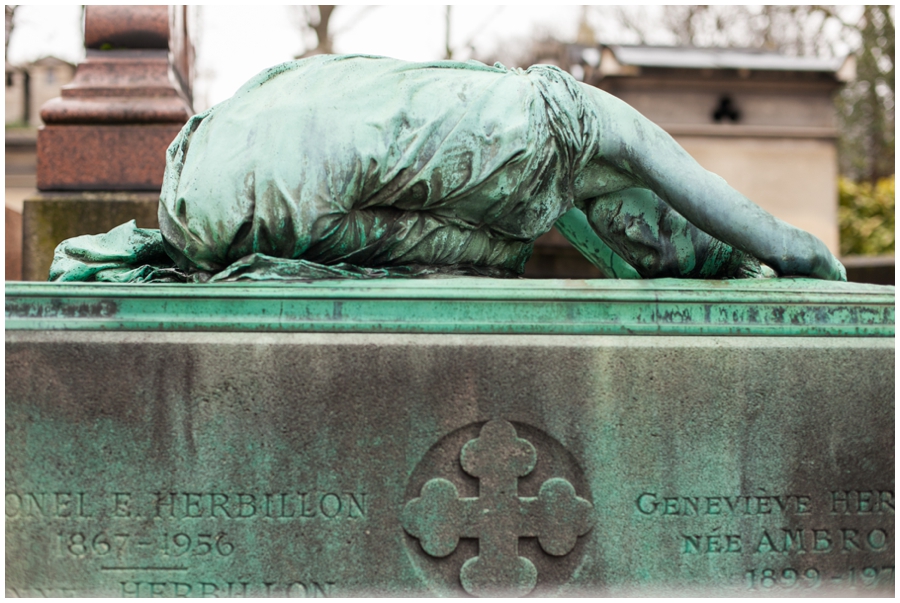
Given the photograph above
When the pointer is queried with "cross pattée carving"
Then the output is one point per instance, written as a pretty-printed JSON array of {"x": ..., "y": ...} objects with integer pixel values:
[{"x": 498, "y": 517}]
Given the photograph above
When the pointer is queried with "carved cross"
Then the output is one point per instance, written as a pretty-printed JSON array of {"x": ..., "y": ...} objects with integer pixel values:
[{"x": 498, "y": 517}]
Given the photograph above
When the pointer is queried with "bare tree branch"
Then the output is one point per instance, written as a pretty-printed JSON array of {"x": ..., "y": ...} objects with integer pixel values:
[
  {"x": 448, "y": 51},
  {"x": 632, "y": 24},
  {"x": 10, "y": 23},
  {"x": 313, "y": 19}
]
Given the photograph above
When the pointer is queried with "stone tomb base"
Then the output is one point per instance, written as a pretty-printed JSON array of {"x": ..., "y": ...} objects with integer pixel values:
[{"x": 198, "y": 461}]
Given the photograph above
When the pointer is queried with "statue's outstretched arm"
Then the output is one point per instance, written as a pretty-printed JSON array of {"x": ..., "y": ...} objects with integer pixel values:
[
  {"x": 638, "y": 229},
  {"x": 640, "y": 148}
]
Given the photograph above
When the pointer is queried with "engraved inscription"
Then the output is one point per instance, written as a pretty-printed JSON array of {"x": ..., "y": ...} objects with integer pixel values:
[
  {"x": 862, "y": 502},
  {"x": 81, "y": 545},
  {"x": 789, "y": 540},
  {"x": 297, "y": 505},
  {"x": 842, "y": 502},
  {"x": 46, "y": 504},
  {"x": 175, "y": 542},
  {"x": 244, "y": 505},
  {"x": 824, "y": 530},
  {"x": 295, "y": 589},
  {"x": 866, "y": 578},
  {"x": 651, "y": 503}
]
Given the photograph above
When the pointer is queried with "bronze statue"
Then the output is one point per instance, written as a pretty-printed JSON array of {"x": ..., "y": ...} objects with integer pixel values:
[{"x": 356, "y": 166}]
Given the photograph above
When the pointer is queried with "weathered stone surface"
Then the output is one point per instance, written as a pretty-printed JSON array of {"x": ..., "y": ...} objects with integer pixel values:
[
  {"x": 284, "y": 463},
  {"x": 49, "y": 218},
  {"x": 13, "y": 245}
]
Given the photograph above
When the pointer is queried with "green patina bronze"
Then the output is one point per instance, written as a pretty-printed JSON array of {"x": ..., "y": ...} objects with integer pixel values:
[
  {"x": 360, "y": 166},
  {"x": 783, "y": 307}
]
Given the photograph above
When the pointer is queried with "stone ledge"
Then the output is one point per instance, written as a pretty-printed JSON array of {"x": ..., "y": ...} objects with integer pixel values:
[{"x": 779, "y": 307}]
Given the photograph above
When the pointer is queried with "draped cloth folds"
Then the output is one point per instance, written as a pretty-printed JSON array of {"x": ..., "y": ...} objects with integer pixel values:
[{"x": 357, "y": 167}]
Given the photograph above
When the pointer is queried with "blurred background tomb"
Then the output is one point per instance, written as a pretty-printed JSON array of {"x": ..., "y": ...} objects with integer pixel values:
[{"x": 763, "y": 121}]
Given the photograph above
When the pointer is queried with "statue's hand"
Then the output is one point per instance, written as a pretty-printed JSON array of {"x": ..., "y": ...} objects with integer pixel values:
[
  {"x": 811, "y": 258},
  {"x": 834, "y": 272},
  {"x": 824, "y": 265}
]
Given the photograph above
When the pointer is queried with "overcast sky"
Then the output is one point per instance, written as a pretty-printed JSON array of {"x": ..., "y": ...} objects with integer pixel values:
[{"x": 235, "y": 43}]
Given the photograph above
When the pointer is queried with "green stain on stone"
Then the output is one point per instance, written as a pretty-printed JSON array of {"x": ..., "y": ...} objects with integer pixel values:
[{"x": 784, "y": 307}]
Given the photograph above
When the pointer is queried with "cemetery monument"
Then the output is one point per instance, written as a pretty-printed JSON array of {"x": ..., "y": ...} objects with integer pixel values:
[{"x": 257, "y": 400}]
